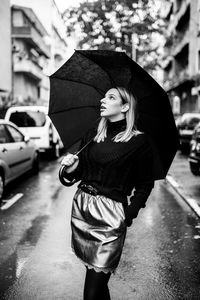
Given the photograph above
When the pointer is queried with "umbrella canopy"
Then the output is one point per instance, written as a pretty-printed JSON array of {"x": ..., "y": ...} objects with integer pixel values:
[{"x": 77, "y": 87}]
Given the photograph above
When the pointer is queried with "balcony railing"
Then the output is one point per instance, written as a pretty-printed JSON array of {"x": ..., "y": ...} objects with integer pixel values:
[
  {"x": 33, "y": 37},
  {"x": 181, "y": 40},
  {"x": 28, "y": 67},
  {"x": 176, "y": 17},
  {"x": 173, "y": 80}
]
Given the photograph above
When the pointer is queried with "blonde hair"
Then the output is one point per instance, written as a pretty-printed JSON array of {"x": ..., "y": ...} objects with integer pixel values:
[{"x": 126, "y": 135}]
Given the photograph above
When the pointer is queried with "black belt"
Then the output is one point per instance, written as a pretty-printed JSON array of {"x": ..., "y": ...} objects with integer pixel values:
[{"x": 87, "y": 188}]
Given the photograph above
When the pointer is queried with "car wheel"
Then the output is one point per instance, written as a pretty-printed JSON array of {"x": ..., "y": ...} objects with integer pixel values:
[
  {"x": 195, "y": 169},
  {"x": 36, "y": 164},
  {"x": 2, "y": 186},
  {"x": 184, "y": 149},
  {"x": 55, "y": 150}
]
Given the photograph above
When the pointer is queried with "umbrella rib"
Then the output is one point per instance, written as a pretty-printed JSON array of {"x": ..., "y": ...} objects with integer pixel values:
[
  {"x": 97, "y": 89},
  {"x": 111, "y": 80}
]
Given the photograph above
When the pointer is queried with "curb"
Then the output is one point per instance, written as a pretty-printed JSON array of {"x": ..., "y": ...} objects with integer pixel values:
[{"x": 179, "y": 189}]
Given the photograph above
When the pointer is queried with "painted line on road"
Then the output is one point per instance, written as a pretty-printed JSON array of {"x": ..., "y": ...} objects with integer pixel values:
[
  {"x": 192, "y": 202},
  {"x": 171, "y": 180},
  {"x": 11, "y": 201},
  {"x": 179, "y": 189}
]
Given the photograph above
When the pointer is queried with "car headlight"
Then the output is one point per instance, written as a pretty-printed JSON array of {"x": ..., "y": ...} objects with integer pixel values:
[
  {"x": 193, "y": 145},
  {"x": 198, "y": 147}
]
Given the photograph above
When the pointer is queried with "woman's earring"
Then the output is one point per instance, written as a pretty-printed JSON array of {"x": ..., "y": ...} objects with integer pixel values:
[{"x": 125, "y": 107}]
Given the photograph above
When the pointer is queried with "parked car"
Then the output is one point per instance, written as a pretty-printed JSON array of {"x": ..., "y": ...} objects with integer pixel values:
[
  {"x": 34, "y": 121},
  {"x": 194, "y": 156},
  {"x": 18, "y": 154},
  {"x": 178, "y": 120},
  {"x": 185, "y": 126}
]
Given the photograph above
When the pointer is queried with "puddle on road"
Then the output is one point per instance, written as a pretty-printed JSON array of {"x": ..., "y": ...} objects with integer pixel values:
[
  {"x": 12, "y": 268},
  {"x": 56, "y": 193}
]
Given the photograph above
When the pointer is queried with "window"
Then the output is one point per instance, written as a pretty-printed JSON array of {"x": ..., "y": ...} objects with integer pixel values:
[
  {"x": 4, "y": 136},
  {"x": 38, "y": 92},
  {"x": 198, "y": 60},
  {"x": 16, "y": 135},
  {"x": 28, "y": 118}
]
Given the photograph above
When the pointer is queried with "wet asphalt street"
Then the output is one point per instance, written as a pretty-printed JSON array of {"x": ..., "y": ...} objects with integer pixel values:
[{"x": 161, "y": 257}]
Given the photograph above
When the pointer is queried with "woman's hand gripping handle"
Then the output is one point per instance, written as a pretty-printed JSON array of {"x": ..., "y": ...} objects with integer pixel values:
[
  {"x": 70, "y": 161},
  {"x": 68, "y": 165}
]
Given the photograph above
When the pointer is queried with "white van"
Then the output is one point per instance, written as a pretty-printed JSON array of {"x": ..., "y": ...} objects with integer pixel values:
[{"x": 34, "y": 122}]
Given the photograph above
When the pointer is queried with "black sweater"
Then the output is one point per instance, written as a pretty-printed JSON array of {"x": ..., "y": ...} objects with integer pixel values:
[{"x": 118, "y": 170}]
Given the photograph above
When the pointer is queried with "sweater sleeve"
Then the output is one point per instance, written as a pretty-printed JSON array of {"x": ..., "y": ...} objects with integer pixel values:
[
  {"x": 144, "y": 182},
  {"x": 77, "y": 173}
]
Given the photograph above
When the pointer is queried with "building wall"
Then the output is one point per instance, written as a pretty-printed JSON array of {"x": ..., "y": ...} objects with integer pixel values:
[
  {"x": 43, "y": 9},
  {"x": 47, "y": 12},
  {"x": 193, "y": 51},
  {"x": 5, "y": 48},
  {"x": 30, "y": 57},
  {"x": 17, "y": 19},
  {"x": 25, "y": 87},
  {"x": 182, "y": 53}
]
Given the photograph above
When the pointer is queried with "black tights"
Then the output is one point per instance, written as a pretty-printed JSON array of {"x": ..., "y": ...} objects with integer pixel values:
[{"x": 96, "y": 285}]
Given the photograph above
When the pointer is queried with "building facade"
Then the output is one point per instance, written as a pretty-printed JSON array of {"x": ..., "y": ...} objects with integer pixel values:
[
  {"x": 181, "y": 63},
  {"x": 51, "y": 19},
  {"x": 5, "y": 53},
  {"x": 30, "y": 54}
]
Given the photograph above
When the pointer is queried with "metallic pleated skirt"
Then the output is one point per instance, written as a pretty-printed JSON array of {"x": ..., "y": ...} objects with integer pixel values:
[{"x": 98, "y": 231}]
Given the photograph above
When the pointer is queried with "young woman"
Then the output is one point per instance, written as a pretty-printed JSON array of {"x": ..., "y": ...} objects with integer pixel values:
[{"x": 117, "y": 163}]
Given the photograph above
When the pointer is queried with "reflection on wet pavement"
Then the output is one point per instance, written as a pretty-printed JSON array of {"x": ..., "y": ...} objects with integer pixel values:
[
  {"x": 160, "y": 260},
  {"x": 13, "y": 266},
  {"x": 161, "y": 256}
]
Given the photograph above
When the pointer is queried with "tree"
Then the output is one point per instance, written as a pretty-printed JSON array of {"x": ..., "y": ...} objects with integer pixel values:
[{"x": 110, "y": 24}]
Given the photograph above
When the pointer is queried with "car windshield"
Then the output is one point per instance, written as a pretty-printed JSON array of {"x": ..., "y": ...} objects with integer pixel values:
[
  {"x": 191, "y": 121},
  {"x": 28, "y": 118}
]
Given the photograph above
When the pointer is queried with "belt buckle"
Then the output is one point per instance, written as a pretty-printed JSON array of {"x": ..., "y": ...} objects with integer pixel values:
[
  {"x": 89, "y": 189},
  {"x": 93, "y": 190}
]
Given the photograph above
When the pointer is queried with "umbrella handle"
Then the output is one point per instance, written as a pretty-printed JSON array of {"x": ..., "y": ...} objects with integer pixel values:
[{"x": 63, "y": 179}]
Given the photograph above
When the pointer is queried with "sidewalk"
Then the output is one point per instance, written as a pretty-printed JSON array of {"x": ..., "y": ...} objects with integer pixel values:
[{"x": 184, "y": 182}]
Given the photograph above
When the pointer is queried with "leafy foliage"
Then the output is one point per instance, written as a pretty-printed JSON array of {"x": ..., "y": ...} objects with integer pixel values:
[{"x": 110, "y": 24}]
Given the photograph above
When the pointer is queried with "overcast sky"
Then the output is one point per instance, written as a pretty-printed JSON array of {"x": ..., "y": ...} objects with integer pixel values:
[{"x": 63, "y": 4}]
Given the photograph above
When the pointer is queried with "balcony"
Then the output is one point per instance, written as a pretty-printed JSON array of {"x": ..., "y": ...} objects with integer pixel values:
[
  {"x": 180, "y": 42},
  {"x": 28, "y": 67},
  {"x": 174, "y": 80},
  {"x": 167, "y": 62},
  {"x": 183, "y": 75},
  {"x": 183, "y": 10},
  {"x": 33, "y": 38},
  {"x": 177, "y": 16}
]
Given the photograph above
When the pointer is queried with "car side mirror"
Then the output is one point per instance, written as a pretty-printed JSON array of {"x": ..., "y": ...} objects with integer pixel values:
[{"x": 26, "y": 138}]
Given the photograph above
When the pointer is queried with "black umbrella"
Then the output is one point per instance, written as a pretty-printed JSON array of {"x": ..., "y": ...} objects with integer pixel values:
[{"x": 77, "y": 87}]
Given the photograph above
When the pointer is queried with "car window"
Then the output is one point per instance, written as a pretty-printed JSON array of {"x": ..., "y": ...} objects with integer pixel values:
[
  {"x": 190, "y": 120},
  {"x": 28, "y": 118},
  {"x": 16, "y": 135},
  {"x": 4, "y": 135},
  {"x": 194, "y": 121}
]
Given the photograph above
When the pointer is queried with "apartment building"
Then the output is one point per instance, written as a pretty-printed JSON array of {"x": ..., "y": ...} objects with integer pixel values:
[
  {"x": 181, "y": 63},
  {"x": 51, "y": 19},
  {"x": 5, "y": 53},
  {"x": 30, "y": 55}
]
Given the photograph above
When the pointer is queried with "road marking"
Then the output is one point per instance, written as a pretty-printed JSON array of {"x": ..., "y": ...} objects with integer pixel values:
[
  {"x": 190, "y": 201},
  {"x": 11, "y": 201},
  {"x": 194, "y": 205},
  {"x": 172, "y": 181}
]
